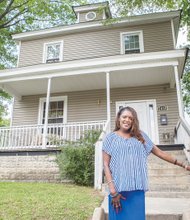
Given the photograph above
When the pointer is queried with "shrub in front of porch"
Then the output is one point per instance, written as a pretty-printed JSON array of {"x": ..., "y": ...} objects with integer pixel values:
[{"x": 76, "y": 160}]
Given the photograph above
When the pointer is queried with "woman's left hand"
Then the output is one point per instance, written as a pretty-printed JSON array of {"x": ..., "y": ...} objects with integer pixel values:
[
  {"x": 116, "y": 202},
  {"x": 187, "y": 167}
]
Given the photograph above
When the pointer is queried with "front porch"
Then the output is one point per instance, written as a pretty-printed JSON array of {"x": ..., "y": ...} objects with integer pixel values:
[
  {"x": 90, "y": 90},
  {"x": 33, "y": 136}
]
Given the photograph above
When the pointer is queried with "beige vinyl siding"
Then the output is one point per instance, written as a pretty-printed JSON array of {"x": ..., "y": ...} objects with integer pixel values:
[
  {"x": 25, "y": 111},
  {"x": 91, "y": 105},
  {"x": 157, "y": 37}
]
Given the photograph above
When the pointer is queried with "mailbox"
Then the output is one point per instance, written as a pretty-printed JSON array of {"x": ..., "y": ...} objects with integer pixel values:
[{"x": 163, "y": 119}]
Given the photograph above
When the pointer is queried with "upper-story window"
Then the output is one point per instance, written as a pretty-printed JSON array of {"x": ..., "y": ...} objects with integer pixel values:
[
  {"x": 132, "y": 42},
  {"x": 53, "y": 52}
]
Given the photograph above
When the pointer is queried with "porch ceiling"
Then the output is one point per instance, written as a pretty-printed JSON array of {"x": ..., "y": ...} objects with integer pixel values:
[
  {"x": 121, "y": 78},
  {"x": 125, "y": 71}
]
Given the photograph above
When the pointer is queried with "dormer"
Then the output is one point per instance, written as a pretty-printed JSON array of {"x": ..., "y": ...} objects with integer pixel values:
[{"x": 92, "y": 12}]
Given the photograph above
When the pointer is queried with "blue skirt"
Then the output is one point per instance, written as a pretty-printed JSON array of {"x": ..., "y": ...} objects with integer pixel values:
[{"x": 133, "y": 208}]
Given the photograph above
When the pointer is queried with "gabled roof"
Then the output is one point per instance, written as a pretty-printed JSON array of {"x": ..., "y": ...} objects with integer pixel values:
[{"x": 95, "y": 25}]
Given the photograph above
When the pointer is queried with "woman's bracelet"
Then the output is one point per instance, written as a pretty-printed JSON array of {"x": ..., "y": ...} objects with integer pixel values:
[
  {"x": 181, "y": 165},
  {"x": 115, "y": 195},
  {"x": 110, "y": 182}
]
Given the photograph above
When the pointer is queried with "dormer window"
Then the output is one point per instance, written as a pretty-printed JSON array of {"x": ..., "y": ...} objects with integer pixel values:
[
  {"x": 92, "y": 12},
  {"x": 132, "y": 42},
  {"x": 53, "y": 52},
  {"x": 90, "y": 16}
]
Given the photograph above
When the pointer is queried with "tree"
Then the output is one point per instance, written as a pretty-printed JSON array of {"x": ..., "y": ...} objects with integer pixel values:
[
  {"x": 186, "y": 85},
  {"x": 25, "y": 15},
  {"x": 131, "y": 7}
]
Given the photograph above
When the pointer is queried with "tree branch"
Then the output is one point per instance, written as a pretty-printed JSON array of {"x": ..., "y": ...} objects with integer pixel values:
[
  {"x": 55, "y": 1},
  {"x": 7, "y": 24},
  {"x": 18, "y": 6},
  {"x": 2, "y": 1},
  {"x": 7, "y": 9}
]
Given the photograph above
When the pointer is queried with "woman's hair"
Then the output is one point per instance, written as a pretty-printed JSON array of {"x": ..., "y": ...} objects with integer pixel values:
[{"x": 134, "y": 131}]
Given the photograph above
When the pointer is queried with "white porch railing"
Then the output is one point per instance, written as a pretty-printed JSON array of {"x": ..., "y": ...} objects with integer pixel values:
[
  {"x": 98, "y": 169},
  {"x": 31, "y": 136},
  {"x": 183, "y": 134}
]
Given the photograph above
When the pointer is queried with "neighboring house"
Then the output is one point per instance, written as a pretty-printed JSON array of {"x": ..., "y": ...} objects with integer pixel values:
[{"x": 88, "y": 70}]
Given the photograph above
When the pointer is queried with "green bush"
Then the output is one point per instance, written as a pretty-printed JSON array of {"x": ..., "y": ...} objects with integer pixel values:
[{"x": 76, "y": 160}]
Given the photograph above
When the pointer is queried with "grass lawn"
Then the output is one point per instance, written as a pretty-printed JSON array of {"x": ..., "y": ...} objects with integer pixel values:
[{"x": 47, "y": 201}]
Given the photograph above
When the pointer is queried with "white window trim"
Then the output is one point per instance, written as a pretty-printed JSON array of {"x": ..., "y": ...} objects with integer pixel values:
[
  {"x": 49, "y": 43},
  {"x": 141, "y": 41},
  {"x": 55, "y": 98},
  {"x": 104, "y": 14},
  {"x": 78, "y": 17}
]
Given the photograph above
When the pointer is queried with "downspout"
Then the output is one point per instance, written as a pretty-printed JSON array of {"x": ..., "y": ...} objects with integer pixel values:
[
  {"x": 173, "y": 33},
  {"x": 179, "y": 94},
  {"x": 108, "y": 100}
]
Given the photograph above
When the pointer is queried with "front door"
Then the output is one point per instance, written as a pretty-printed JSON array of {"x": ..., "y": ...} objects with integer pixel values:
[{"x": 147, "y": 115}]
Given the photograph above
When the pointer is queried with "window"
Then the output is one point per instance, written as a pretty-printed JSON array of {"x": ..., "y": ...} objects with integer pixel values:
[
  {"x": 53, "y": 52},
  {"x": 90, "y": 16},
  {"x": 57, "y": 110},
  {"x": 132, "y": 42}
]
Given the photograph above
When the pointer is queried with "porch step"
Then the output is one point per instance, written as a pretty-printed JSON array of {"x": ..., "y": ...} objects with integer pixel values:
[
  {"x": 164, "y": 178},
  {"x": 170, "y": 147},
  {"x": 169, "y": 188},
  {"x": 166, "y": 208},
  {"x": 167, "y": 172},
  {"x": 175, "y": 194}
]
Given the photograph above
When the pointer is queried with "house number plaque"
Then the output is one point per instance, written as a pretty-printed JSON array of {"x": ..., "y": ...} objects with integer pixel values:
[{"x": 163, "y": 108}]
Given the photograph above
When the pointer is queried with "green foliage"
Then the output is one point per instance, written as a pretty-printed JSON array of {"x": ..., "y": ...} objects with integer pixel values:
[
  {"x": 124, "y": 8},
  {"x": 76, "y": 161},
  {"x": 5, "y": 100},
  {"x": 186, "y": 85}
]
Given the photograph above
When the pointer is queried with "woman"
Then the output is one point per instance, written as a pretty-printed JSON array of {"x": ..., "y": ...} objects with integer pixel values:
[{"x": 125, "y": 153}]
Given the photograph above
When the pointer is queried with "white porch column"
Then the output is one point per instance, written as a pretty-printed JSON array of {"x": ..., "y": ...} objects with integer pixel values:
[
  {"x": 108, "y": 99},
  {"x": 179, "y": 94},
  {"x": 46, "y": 113}
]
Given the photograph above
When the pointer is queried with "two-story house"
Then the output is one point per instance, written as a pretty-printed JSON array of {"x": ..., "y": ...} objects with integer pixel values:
[{"x": 76, "y": 77}]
